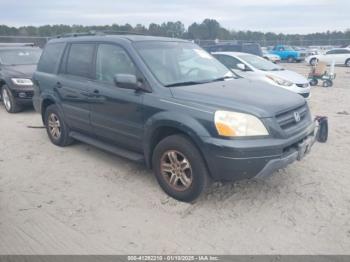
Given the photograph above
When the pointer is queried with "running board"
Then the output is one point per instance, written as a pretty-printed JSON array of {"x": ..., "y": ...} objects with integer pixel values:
[{"x": 137, "y": 157}]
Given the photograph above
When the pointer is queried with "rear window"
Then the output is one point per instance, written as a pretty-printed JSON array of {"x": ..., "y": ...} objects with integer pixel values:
[
  {"x": 80, "y": 60},
  {"x": 50, "y": 57}
]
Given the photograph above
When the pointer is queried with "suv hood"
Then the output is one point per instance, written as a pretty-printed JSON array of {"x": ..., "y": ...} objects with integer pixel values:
[
  {"x": 19, "y": 70},
  {"x": 240, "y": 95},
  {"x": 289, "y": 75}
]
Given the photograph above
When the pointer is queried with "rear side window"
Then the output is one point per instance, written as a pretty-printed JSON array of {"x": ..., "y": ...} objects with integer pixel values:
[
  {"x": 80, "y": 59},
  {"x": 50, "y": 57}
]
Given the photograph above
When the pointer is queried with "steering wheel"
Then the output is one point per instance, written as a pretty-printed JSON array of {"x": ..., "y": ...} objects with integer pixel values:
[{"x": 192, "y": 70}]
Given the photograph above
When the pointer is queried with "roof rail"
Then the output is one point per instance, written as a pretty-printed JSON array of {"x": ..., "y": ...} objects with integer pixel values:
[{"x": 92, "y": 33}]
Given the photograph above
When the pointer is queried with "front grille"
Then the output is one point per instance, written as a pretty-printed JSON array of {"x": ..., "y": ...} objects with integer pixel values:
[
  {"x": 302, "y": 54},
  {"x": 303, "y": 85},
  {"x": 24, "y": 94},
  {"x": 287, "y": 121}
]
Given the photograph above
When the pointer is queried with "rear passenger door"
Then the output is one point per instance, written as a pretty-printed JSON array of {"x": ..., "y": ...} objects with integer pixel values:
[
  {"x": 116, "y": 113},
  {"x": 74, "y": 85}
]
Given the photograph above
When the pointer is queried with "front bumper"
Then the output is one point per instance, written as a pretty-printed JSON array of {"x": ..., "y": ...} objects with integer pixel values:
[
  {"x": 232, "y": 160},
  {"x": 23, "y": 95}
]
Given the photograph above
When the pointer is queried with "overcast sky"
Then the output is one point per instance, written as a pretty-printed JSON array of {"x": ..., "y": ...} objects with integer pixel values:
[{"x": 287, "y": 16}]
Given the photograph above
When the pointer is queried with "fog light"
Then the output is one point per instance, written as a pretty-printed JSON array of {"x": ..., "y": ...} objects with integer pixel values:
[{"x": 22, "y": 95}]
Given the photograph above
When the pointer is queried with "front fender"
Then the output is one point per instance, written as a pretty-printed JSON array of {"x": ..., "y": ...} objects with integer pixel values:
[{"x": 190, "y": 126}]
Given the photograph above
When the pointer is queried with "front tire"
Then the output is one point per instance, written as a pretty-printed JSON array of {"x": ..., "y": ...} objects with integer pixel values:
[
  {"x": 313, "y": 61},
  {"x": 9, "y": 101},
  {"x": 179, "y": 168},
  {"x": 327, "y": 83},
  {"x": 347, "y": 63},
  {"x": 56, "y": 128}
]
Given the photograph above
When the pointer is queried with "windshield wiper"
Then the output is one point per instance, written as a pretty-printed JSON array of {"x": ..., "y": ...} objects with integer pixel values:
[
  {"x": 187, "y": 83},
  {"x": 221, "y": 78}
]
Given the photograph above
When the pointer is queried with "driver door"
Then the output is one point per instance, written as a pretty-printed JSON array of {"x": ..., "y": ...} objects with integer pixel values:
[{"x": 116, "y": 113}]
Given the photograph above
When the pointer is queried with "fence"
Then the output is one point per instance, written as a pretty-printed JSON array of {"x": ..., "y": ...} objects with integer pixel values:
[
  {"x": 41, "y": 41},
  {"x": 37, "y": 40},
  {"x": 294, "y": 42}
]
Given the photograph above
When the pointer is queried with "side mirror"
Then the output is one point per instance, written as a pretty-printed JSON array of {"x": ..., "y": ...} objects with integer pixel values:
[
  {"x": 127, "y": 81},
  {"x": 242, "y": 67}
]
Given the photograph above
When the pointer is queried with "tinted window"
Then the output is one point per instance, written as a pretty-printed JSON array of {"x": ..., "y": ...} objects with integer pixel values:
[
  {"x": 50, "y": 57},
  {"x": 79, "y": 61},
  {"x": 332, "y": 52},
  {"x": 112, "y": 60},
  {"x": 342, "y": 51}
]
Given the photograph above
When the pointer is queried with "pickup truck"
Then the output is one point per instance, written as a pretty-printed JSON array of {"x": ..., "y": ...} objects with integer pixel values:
[{"x": 288, "y": 53}]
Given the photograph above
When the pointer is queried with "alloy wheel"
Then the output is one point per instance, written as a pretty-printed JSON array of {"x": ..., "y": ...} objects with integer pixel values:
[
  {"x": 54, "y": 126},
  {"x": 176, "y": 170},
  {"x": 6, "y": 99}
]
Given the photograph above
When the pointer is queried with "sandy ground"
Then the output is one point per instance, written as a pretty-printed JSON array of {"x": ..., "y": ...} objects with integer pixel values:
[{"x": 81, "y": 200}]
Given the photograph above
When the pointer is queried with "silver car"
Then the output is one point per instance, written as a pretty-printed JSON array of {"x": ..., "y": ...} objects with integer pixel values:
[{"x": 257, "y": 68}]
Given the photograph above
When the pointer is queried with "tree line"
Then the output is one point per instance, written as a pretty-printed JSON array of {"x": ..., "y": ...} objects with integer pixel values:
[{"x": 209, "y": 29}]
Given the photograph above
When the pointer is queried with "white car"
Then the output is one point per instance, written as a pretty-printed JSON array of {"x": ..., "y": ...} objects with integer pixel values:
[
  {"x": 257, "y": 68},
  {"x": 340, "y": 56},
  {"x": 272, "y": 57}
]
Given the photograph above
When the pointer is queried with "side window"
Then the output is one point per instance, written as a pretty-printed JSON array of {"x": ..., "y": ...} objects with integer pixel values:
[
  {"x": 79, "y": 62},
  {"x": 51, "y": 57},
  {"x": 332, "y": 52},
  {"x": 343, "y": 51},
  {"x": 112, "y": 60}
]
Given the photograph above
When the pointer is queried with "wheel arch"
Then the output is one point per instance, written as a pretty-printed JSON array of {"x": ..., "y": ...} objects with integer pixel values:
[
  {"x": 347, "y": 60},
  {"x": 46, "y": 102},
  {"x": 163, "y": 125}
]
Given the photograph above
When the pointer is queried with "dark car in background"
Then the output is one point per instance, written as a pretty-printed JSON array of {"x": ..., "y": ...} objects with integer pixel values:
[
  {"x": 17, "y": 64},
  {"x": 171, "y": 105},
  {"x": 250, "y": 48}
]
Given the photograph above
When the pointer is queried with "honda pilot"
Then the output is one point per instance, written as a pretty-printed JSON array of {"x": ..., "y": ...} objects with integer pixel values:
[{"x": 169, "y": 104}]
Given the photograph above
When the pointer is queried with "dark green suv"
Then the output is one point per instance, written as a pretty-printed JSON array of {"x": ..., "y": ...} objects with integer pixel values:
[{"x": 168, "y": 103}]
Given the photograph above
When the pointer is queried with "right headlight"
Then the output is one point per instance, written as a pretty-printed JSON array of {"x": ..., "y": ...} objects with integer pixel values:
[{"x": 234, "y": 124}]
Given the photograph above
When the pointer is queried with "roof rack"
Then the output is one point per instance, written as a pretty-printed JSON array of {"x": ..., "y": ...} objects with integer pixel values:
[{"x": 92, "y": 33}]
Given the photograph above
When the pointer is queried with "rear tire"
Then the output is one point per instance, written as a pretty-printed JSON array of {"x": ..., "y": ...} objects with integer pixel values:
[
  {"x": 290, "y": 59},
  {"x": 9, "y": 101},
  {"x": 179, "y": 168},
  {"x": 313, "y": 61},
  {"x": 56, "y": 128},
  {"x": 313, "y": 82}
]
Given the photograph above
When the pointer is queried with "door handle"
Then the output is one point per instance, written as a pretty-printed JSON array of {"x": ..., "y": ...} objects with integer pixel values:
[
  {"x": 96, "y": 91},
  {"x": 58, "y": 85}
]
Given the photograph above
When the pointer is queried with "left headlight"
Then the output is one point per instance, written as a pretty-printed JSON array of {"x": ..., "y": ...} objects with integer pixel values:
[
  {"x": 279, "y": 81},
  {"x": 234, "y": 124},
  {"x": 22, "y": 81}
]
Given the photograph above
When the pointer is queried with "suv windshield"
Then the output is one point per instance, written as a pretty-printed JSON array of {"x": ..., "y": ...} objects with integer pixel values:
[
  {"x": 181, "y": 63},
  {"x": 260, "y": 63},
  {"x": 20, "y": 56}
]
